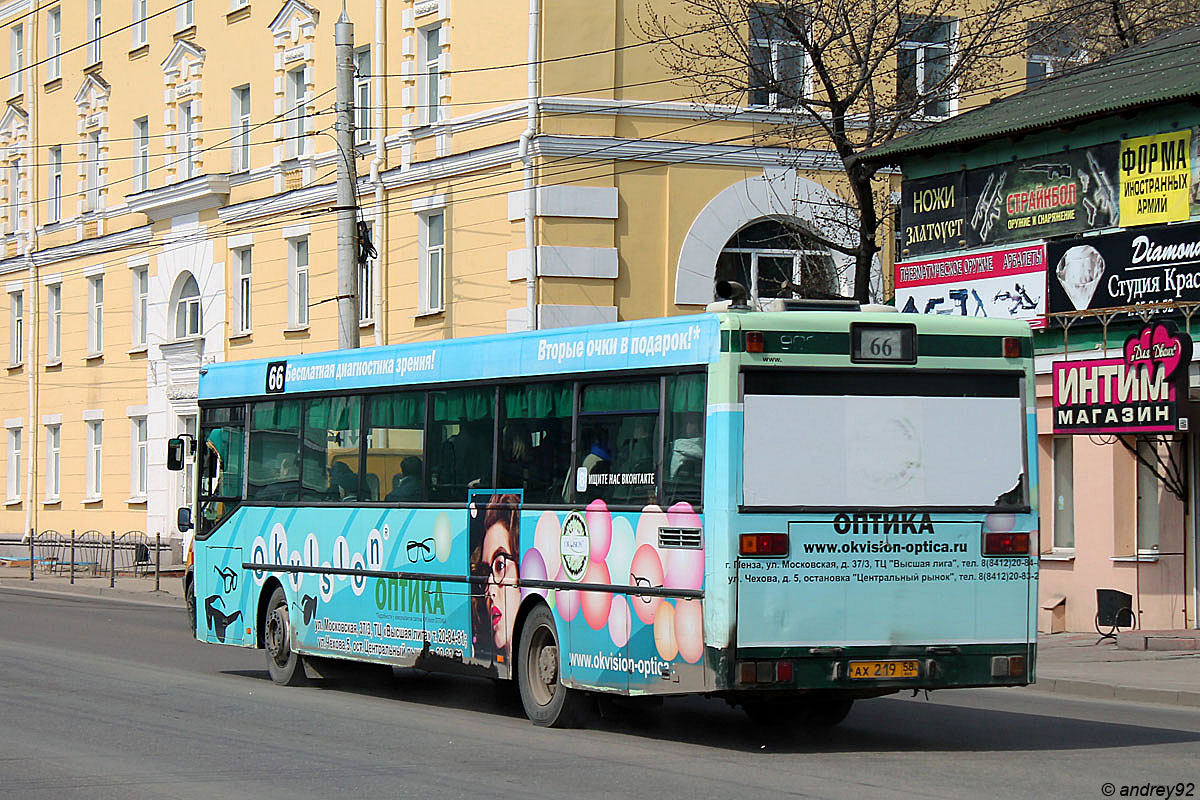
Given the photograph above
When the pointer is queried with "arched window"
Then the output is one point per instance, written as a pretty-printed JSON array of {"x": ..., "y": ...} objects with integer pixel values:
[
  {"x": 773, "y": 259},
  {"x": 187, "y": 309}
]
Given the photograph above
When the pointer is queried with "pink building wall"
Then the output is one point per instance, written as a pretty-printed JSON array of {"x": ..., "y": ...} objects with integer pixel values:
[{"x": 1105, "y": 504}]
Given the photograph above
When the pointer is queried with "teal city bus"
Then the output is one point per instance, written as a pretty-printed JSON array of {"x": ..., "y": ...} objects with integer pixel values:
[{"x": 790, "y": 510}]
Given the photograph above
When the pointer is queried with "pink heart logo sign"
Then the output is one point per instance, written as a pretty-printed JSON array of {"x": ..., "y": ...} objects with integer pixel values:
[{"x": 1158, "y": 344}]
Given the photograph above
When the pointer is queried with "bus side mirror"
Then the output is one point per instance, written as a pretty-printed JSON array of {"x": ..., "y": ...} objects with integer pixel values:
[
  {"x": 183, "y": 519},
  {"x": 176, "y": 453}
]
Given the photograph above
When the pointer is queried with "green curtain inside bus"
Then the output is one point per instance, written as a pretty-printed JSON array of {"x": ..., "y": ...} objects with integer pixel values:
[
  {"x": 608, "y": 397},
  {"x": 538, "y": 401},
  {"x": 405, "y": 410},
  {"x": 462, "y": 405}
]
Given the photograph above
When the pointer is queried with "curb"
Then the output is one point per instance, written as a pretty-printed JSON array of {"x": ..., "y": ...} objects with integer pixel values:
[
  {"x": 159, "y": 599},
  {"x": 1108, "y": 691}
]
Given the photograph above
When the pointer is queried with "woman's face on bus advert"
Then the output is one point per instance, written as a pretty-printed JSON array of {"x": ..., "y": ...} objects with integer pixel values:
[{"x": 503, "y": 596}]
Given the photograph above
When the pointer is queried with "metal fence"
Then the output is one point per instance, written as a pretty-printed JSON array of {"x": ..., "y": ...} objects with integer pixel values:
[{"x": 94, "y": 553}]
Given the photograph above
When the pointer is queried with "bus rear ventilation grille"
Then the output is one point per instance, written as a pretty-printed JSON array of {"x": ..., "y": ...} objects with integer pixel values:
[{"x": 688, "y": 538}]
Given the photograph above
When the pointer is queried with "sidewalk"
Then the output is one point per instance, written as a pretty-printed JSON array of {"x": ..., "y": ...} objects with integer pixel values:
[{"x": 1068, "y": 663}]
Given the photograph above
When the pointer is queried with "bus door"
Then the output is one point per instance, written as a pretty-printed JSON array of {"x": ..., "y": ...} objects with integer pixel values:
[{"x": 220, "y": 595}]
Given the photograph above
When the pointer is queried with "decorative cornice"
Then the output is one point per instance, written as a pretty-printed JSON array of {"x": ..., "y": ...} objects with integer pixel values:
[
  {"x": 101, "y": 244},
  {"x": 622, "y": 149},
  {"x": 182, "y": 48},
  {"x": 195, "y": 194},
  {"x": 279, "y": 21}
]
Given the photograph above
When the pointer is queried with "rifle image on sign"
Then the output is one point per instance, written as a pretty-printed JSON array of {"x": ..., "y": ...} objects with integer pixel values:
[
  {"x": 987, "y": 209},
  {"x": 1054, "y": 172}
]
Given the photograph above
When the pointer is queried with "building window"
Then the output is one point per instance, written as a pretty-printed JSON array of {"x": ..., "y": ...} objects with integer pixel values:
[
  {"x": 95, "y": 462},
  {"x": 1154, "y": 458},
  {"x": 428, "y": 86},
  {"x": 923, "y": 64},
  {"x": 93, "y": 171},
  {"x": 141, "y": 294},
  {"x": 16, "y": 328},
  {"x": 187, "y": 142},
  {"x": 186, "y": 14},
  {"x": 240, "y": 107},
  {"x": 362, "y": 96},
  {"x": 54, "y": 323},
  {"x": 95, "y": 31},
  {"x": 14, "y": 463},
  {"x": 54, "y": 44},
  {"x": 1063, "y": 520},
  {"x": 138, "y": 467},
  {"x": 242, "y": 317},
  {"x": 297, "y": 100},
  {"x": 432, "y": 276},
  {"x": 187, "y": 309},
  {"x": 777, "y": 58},
  {"x": 53, "y": 461},
  {"x": 298, "y": 280},
  {"x": 366, "y": 282},
  {"x": 17, "y": 60},
  {"x": 96, "y": 315},
  {"x": 14, "y": 196},
  {"x": 1049, "y": 52},
  {"x": 139, "y": 22},
  {"x": 188, "y": 425},
  {"x": 141, "y": 156},
  {"x": 56, "y": 184},
  {"x": 773, "y": 260}
]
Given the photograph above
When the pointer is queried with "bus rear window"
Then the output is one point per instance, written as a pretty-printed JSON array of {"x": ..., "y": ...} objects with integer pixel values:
[{"x": 869, "y": 439}]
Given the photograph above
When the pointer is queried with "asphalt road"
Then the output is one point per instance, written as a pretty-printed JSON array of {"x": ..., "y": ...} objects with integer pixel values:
[{"x": 108, "y": 699}]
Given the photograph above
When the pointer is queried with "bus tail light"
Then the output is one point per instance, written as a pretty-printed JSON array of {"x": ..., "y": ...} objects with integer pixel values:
[
  {"x": 1012, "y": 347},
  {"x": 1006, "y": 544},
  {"x": 764, "y": 672},
  {"x": 754, "y": 342},
  {"x": 763, "y": 544}
]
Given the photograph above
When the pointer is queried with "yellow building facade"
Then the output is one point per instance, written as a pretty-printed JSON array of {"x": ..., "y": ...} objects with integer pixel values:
[{"x": 168, "y": 179}]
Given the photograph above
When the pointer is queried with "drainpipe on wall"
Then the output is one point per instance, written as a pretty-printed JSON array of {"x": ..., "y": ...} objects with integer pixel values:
[
  {"x": 525, "y": 152},
  {"x": 31, "y": 324},
  {"x": 376, "y": 179}
]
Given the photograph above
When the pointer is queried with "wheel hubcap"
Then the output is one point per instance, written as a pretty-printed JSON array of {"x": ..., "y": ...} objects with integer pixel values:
[
  {"x": 541, "y": 666},
  {"x": 276, "y": 635}
]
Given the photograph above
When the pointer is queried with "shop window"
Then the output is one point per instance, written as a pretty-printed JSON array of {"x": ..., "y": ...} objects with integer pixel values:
[{"x": 1063, "y": 512}]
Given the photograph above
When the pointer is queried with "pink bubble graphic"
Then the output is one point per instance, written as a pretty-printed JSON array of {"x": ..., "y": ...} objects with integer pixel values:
[
  {"x": 566, "y": 600},
  {"x": 689, "y": 630},
  {"x": 686, "y": 570},
  {"x": 651, "y": 519},
  {"x": 646, "y": 570},
  {"x": 533, "y": 568},
  {"x": 1000, "y": 523},
  {"x": 664, "y": 632},
  {"x": 596, "y": 605},
  {"x": 599, "y": 525},
  {"x": 682, "y": 515},
  {"x": 619, "y": 621},
  {"x": 545, "y": 538},
  {"x": 620, "y": 552}
]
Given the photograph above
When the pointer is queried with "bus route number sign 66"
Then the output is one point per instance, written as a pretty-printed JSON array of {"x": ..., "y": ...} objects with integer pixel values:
[{"x": 276, "y": 371}]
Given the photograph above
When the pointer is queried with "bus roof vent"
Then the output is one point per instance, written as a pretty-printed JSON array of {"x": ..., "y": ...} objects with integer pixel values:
[{"x": 813, "y": 304}]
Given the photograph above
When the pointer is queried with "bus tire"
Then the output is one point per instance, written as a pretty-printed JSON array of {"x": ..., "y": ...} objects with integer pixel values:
[
  {"x": 283, "y": 663},
  {"x": 546, "y": 700}
]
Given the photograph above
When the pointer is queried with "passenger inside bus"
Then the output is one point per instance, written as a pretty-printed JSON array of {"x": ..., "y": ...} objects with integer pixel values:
[{"x": 406, "y": 485}]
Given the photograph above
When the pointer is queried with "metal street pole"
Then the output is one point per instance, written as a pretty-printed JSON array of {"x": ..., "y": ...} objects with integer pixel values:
[{"x": 347, "y": 227}]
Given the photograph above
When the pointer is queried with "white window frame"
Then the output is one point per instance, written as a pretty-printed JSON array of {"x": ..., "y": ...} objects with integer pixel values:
[
  {"x": 429, "y": 91},
  {"x": 187, "y": 140},
  {"x": 239, "y": 100},
  {"x": 94, "y": 31},
  {"x": 362, "y": 95},
  {"x": 16, "y": 328},
  {"x": 298, "y": 282},
  {"x": 94, "y": 460},
  {"x": 95, "y": 340},
  {"x": 188, "y": 426},
  {"x": 366, "y": 287},
  {"x": 139, "y": 452},
  {"x": 17, "y": 59},
  {"x": 139, "y": 22},
  {"x": 141, "y": 305},
  {"x": 14, "y": 464},
  {"x": 187, "y": 314},
  {"x": 185, "y": 16},
  {"x": 243, "y": 316},
  {"x": 922, "y": 50},
  {"x": 431, "y": 275},
  {"x": 54, "y": 43},
  {"x": 776, "y": 47},
  {"x": 296, "y": 88},
  {"x": 141, "y": 156},
  {"x": 14, "y": 196},
  {"x": 53, "y": 463},
  {"x": 55, "y": 184},
  {"x": 93, "y": 171},
  {"x": 54, "y": 323}
]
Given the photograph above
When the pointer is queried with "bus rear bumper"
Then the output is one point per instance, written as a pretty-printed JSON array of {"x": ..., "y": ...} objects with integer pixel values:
[{"x": 869, "y": 671}]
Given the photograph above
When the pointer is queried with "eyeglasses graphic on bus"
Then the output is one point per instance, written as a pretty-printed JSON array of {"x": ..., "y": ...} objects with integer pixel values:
[
  {"x": 228, "y": 578},
  {"x": 420, "y": 551},
  {"x": 644, "y": 583},
  {"x": 499, "y": 567}
]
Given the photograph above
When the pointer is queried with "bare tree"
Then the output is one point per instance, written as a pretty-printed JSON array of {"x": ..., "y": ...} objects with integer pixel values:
[
  {"x": 845, "y": 76},
  {"x": 1083, "y": 31}
]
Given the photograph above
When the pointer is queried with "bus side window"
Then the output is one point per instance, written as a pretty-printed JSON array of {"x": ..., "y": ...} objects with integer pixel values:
[
  {"x": 329, "y": 467},
  {"x": 462, "y": 427},
  {"x": 618, "y": 425},
  {"x": 684, "y": 450},
  {"x": 274, "y": 469},
  {"x": 394, "y": 472},
  {"x": 535, "y": 439}
]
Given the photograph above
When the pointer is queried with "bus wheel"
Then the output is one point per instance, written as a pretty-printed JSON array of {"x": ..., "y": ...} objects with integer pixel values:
[
  {"x": 797, "y": 713},
  {"x": 282, "y": 662},
  {"x": 547, "y": 702}
]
